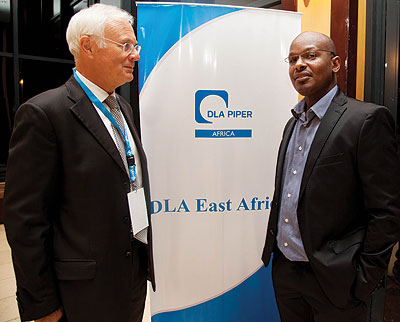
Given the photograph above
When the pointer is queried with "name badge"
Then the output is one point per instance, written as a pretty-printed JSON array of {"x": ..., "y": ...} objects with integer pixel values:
[{"x": 138, "y": 210}]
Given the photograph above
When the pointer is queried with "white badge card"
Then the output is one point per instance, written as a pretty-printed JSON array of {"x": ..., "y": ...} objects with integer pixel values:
[{"x": 138, "y": 210}]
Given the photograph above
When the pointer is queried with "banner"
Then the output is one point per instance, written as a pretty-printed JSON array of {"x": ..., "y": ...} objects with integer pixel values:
[{"x": 214, "y": 97}]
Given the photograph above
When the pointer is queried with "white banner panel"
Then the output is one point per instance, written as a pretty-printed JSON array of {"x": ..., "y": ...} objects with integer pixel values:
[{"x": 214, "y": 97}]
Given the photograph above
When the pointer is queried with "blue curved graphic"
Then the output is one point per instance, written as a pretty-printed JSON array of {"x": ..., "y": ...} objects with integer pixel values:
[
  {"x": 200, "y": 95},
  {"x": 251, "y": 301},
  {"x": 160, "y": 26}
]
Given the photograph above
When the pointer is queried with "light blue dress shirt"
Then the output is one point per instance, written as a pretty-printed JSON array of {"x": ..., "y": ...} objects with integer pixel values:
[{"x": 307, "y": 123}]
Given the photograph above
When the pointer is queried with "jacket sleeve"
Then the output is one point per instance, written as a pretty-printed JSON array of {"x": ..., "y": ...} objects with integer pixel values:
[
  {"x": 30, "y": 196},
  {"x": 379, "y": 173}
]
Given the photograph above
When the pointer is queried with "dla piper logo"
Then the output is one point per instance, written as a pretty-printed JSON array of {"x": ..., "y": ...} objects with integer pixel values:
[{"x": 209, "y": 114}]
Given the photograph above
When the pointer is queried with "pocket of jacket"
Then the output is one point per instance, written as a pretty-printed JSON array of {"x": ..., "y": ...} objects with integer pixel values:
[
  {"x": 354, "y": 238},
  {"x": 75, "y": 269},
  {"x": 330, "y": 159}
]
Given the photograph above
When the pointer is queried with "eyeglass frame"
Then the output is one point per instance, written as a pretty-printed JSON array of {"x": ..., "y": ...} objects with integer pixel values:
[
  {"x": 287, "y": 60},
  {"x": 135, "y": 47}
]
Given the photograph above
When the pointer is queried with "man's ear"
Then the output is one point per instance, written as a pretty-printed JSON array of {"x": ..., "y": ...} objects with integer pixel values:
[
  {"x": 86, "y": 44},
  {"x": 335, "y": 64}
]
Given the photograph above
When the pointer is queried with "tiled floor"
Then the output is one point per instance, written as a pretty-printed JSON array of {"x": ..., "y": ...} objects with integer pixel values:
[{"x": 8, "y": 304}]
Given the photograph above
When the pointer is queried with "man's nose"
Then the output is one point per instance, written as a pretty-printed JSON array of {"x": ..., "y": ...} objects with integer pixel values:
[
  {"x": 134, "y": 55},
  {"x": 300, "y": 64}
]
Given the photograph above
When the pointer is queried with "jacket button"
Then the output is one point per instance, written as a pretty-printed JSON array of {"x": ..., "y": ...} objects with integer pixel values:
[
  {"x": 271, "y": 231},
  {"x": 126, "y": 219},
  {"x": 127, "y": 253}
]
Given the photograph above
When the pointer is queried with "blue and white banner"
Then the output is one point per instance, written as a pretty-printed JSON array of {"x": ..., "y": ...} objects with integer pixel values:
[{"x": 214, "y": 97}]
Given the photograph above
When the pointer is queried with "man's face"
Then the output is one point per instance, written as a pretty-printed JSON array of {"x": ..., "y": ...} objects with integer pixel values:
[
  {"x": 313, "y": 76},
  {"x": 116, "y": 67}
]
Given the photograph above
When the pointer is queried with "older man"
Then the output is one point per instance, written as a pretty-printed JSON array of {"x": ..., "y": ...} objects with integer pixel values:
[
  {"x": 336, "y": 208},
  {"x": 77, "y": 188}
]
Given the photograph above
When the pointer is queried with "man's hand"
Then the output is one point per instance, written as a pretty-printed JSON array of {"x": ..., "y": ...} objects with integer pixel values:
[{"x": 53, "y": 317}]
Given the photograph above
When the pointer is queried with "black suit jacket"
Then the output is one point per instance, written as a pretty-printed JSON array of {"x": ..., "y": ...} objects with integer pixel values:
[
  {"x": 66, "y": 211},
  {"x": 349, "y": 202}
]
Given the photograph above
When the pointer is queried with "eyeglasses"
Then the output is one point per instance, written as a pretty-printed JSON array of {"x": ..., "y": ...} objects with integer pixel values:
[
  {"x": 126, "y": 47},
  {"x": 306, "y": 57}
]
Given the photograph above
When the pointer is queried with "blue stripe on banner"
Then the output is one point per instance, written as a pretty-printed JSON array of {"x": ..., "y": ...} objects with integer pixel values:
[
  {"x": 253, "y": 300},
  {"x": 160, "y": 26},
  {"x": 224, "y": 134}
]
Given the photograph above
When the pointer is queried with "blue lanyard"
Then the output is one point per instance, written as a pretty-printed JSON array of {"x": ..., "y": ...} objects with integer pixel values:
[{"x": 124, "y": 134}]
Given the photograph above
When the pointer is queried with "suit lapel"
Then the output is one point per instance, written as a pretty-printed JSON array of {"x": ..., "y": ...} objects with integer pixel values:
[
  {"x": 287, "y": 133},
  {"x": 328, "y": 123},
  {"x": 85, "y": 112}
]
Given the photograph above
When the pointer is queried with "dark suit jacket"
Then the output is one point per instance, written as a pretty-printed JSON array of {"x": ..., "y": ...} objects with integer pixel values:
[
  {"x": 66, "y": 211},
  {"x": 349, "y": 202}
]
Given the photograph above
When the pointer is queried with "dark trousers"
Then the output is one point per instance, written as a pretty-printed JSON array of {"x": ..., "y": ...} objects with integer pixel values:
[{"x": 301, "y": 299}]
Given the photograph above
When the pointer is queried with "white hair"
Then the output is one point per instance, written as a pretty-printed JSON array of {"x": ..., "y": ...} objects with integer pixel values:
[{"x": 92, "y": 21}]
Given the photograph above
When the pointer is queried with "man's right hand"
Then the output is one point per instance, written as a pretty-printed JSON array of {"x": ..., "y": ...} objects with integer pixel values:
[{"x": 53, "y": 317}]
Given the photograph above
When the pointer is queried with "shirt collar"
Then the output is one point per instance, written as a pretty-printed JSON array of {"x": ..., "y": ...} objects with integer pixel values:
[
  {"x": 100, "y": 93},
  {"x": 319, "y": 108}
]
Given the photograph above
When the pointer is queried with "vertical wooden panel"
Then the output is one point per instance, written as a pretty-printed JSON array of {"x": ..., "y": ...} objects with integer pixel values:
[
  {"x": 339, "y": 34},
  {"x": 352, "y": 49},
  {"x": 290, "y": 5},
  {"x": 344, "y": 15}
]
